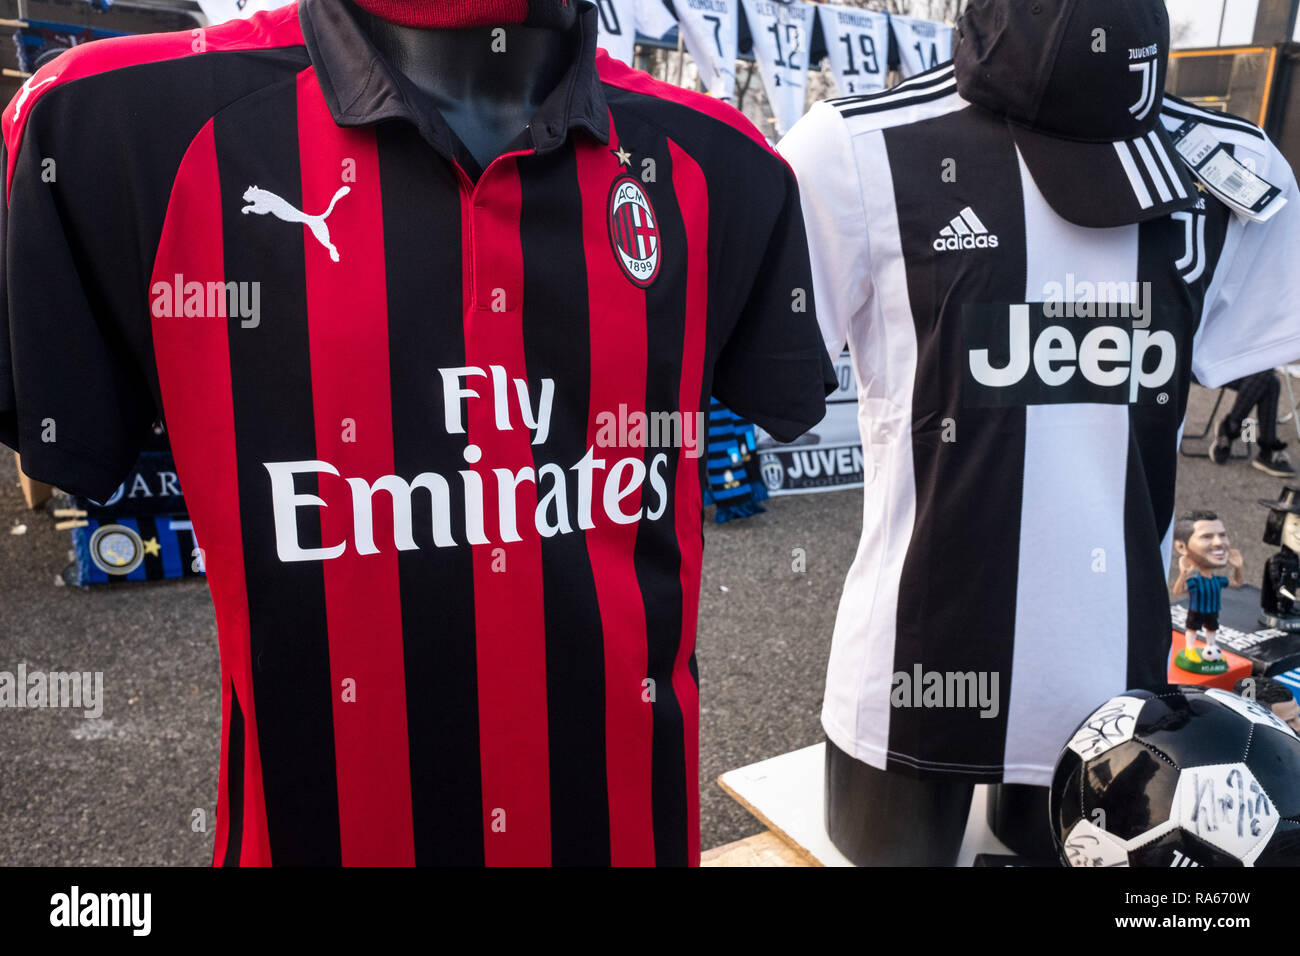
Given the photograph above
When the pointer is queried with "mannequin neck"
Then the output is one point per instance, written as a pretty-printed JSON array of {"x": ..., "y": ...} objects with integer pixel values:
[
  {"x": 457, "y": 14},
  {"x": 485, "y": 82}
]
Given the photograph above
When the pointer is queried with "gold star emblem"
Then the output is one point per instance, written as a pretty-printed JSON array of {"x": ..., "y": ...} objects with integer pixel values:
[
  {"x": 152, "y": 547},
  {"x": 1200, "y": 188},
  {"x": 624, "y": 157}
]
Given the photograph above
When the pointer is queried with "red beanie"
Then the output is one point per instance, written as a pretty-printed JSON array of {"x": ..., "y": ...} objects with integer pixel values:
[{"x": 453, "y": 14}]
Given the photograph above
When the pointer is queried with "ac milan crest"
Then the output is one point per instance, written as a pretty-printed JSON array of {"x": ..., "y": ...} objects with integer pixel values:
[{"x": 634, "y": 231}]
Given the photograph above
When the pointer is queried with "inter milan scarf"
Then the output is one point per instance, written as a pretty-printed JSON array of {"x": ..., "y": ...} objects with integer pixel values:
[
  {"x": 735, "y": 480},
  {"x": 456, "y": 14}
]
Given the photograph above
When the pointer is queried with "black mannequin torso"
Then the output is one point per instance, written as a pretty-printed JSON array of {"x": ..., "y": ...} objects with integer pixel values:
[{"x": 485, "y": 84}]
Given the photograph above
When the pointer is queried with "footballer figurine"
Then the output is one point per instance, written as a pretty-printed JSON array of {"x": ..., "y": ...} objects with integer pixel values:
[
  {"x": 1201, "y": 541},
  {"x": 1280, "y": 606}
]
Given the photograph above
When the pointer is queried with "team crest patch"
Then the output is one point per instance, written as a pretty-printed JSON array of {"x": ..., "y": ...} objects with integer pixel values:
[{"x": 634, "y": 231}]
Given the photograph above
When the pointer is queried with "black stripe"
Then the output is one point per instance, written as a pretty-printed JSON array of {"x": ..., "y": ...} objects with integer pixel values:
[
  {"x": 1147, "y": 175},
  {"x": 656, "y": 557},
  {"x": 1152, "y": 465},
  {"x": 903, "y": 104},
  {"x": 274, "y": 422},
  {"x": 422, "y": 247},
  {"x": 234, "y": 781},
  {"x": 953, "y": 614},
  {"x": 557, "y": 345}
]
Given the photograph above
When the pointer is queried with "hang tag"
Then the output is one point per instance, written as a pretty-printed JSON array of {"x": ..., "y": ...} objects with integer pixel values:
[{"x": 1224, "y": 176}]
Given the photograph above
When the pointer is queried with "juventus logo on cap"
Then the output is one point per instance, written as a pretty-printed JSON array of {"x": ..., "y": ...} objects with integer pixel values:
[{"x": 1147, "y": 101}]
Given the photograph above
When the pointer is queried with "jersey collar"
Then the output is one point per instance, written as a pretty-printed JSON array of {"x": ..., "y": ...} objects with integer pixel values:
[{"x": 360, "y": 87}]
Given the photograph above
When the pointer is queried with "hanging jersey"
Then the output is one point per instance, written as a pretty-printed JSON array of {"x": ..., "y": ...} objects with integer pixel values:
[
  {"x": 782, "y": 37},
  {"x": 439, "y": 429},
  {"x": 857, "y": 44},
  {"x": 616, "y": 25},
  {"x": 922, "y": 44},
  {"x": 710, "y": 33},
  {"x": 1023, "y": 382}
]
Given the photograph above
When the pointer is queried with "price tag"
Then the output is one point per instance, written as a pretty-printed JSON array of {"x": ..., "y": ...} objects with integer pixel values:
[{"x": 1224, "y": 176}]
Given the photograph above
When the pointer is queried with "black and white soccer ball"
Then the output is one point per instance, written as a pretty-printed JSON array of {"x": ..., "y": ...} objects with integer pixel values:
[{"x": 1186, "y": 776}]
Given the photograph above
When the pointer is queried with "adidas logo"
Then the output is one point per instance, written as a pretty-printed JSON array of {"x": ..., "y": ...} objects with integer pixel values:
[{"x": 965, "y": 232}]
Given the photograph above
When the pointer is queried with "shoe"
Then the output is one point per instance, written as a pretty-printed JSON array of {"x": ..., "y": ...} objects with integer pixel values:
[
  {"x": 1221, "y": 450},
  {"x": 1274, "y": 462}
]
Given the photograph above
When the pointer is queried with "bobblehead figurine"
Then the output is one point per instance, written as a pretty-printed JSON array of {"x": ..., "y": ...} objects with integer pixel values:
[
  {"x": 1201, "y": 541},
  {"x": 1280, "y": 607}
]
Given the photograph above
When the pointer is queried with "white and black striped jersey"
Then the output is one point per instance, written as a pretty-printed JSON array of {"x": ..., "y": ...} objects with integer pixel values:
[{"x": 1020, "y": 435}]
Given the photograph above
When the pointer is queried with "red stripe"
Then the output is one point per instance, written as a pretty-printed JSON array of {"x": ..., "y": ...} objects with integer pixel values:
[
  {"x": 274, "y": 28},
  {"x": 193, "y": 359},
  {"x": 509, "y": 613},
  {"x": 693, "y": 200},
  {"x": 347, "y": 319},
  {"x": 618, "y": 376}
]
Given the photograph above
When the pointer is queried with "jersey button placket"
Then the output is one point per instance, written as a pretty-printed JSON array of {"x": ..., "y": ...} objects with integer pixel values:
[{"x": 493, "y": 289}]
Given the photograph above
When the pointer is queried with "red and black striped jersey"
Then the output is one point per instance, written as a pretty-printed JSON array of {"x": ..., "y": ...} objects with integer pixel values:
[{"x": 439, "y": 429}]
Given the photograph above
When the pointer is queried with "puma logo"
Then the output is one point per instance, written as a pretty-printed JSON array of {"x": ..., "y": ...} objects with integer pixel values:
[
  {"x": 261, "y": 202},
  {"x": 27, "y": 90}
]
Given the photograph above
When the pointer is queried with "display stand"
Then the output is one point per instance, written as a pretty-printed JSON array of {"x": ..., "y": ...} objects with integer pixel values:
[
  {"x": 1269, "y": 652},
  {"x": 1238, "y": 667},
  {"x": 787, "y": 795},
  {"x": 36, "y": 493}
]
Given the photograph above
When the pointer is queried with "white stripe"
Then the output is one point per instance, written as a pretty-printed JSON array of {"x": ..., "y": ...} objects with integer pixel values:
[
  {"x": 1200, "y": 252},
  {"x": 906, "y": 86},
  {"x": 1134, "y": 177},
  {"x": 924, "y": 78},
  {"x": 960, "y": 226},
  {"x": 1189, "y": 240},
  {"x": 1159, "y": 148},
  {"x": 896, "y": 97},
  {"x": 1071, "y": 518},
  {"x": 1157, "y": 176},
  {"x": 972, "y": 220},
  {"x": 856, "y": 712}
]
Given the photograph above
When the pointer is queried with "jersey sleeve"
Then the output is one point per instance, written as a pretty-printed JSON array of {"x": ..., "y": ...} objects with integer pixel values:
[
  {"x": 73, "y": 403},
  {"x": 820, "y": 151},
  {"x": 1251, "y": 322},
  {"x": 773, "y": 369}
]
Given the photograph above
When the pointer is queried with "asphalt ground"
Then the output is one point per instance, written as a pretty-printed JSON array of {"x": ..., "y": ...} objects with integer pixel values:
[{"x": 138, "y": 785}]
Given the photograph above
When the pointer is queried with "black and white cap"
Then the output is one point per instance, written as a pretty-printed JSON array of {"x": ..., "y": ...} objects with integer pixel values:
[{"x": 1081, "y": 83}]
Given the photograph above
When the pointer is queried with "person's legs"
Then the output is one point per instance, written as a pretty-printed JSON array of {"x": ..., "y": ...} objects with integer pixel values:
[
  {"x": 1229, "y": 427},
  {"x": 1270, "y": 458},
  {"x": 1249, "y": 392},
  {"x": 1259, "y": 392},
  {"x": 1266, "y": 408}
]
